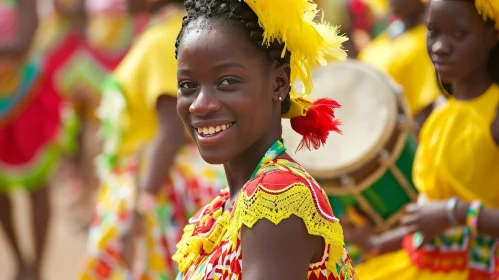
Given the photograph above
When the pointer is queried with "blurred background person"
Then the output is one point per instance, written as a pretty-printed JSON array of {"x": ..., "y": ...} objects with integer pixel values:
[
  {"x": 400, "y": 51},
  {"x": 31, "y": 129},
  {"x": 149, "y": 167}
]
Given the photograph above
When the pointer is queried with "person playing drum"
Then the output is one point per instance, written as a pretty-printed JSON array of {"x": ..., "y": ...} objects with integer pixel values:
[
  {"x": 400, "y": 51},
  {"x": 456, "y": 168},
  {"x": 236, "y": 61}
]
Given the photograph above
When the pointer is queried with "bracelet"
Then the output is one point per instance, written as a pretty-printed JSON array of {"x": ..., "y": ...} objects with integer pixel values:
[
  {"x": 472, "y": 217},
  {"x": 451, "y": 211},
  {"x": 375, "y": 250}
]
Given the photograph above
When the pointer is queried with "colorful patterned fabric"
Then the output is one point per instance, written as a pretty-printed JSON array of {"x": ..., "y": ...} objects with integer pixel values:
[
  {"x": 18, "y": 85},
  {"x": 34, "y": 119},
  {"x": 441, "y": 173},
  {"x": 211, "y": 245},
  {"x": 32, "y": 128},
  {"x": 192, "y": 183},
  {"x": 457, "y": 250}
]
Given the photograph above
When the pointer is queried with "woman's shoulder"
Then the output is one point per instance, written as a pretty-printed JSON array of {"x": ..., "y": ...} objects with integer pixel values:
[
  {"x": 289, "y": 181},
  {"x": 471, "y": 116},
  {"x": 282, "y": 189}
]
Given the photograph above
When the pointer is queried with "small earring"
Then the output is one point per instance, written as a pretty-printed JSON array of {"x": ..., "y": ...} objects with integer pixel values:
[{"x": 280, "y": 98}]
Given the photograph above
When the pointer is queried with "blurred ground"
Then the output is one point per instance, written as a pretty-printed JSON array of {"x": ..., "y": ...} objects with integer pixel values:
[{"x": 66, "y": 242}]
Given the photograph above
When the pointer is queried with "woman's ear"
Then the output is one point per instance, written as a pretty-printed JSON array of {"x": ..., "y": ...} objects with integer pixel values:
[{"x": 282, "y": 81}]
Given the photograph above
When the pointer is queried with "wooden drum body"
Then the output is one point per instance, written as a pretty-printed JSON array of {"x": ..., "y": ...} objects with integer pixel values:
[{"x": 369, "y": 166}]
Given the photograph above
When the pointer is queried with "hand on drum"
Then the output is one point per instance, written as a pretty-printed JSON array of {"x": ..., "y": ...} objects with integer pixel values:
[{"x": 428, "y": 218}]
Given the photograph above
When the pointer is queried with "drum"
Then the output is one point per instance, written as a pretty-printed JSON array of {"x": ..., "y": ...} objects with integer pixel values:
[{"x": 369, "y": 166}]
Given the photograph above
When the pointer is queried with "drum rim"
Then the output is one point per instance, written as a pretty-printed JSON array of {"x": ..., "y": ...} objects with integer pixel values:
[{"x": 387, "y": 132}]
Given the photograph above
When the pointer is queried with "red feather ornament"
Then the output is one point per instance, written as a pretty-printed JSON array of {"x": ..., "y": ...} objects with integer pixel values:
[{"x": 316, "y": 125}]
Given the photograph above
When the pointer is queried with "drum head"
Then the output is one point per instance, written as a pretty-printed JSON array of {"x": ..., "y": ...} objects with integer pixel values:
[{"x": 368, "y": 116}]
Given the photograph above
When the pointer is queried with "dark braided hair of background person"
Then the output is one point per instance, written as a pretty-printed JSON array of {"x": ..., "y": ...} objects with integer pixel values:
[
  {"x": 493, "y": 66},
  {"x": 240, "y": 14}
]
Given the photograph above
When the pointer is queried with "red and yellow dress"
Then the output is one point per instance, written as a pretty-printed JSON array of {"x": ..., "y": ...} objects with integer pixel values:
[
  {"x": 456, "y": 157},
  {"x": 211, "y": 245},
  {"x": 31, "y": 116}
]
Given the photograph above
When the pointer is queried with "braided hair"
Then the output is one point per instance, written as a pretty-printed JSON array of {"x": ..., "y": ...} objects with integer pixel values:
[{"x": 241, "y": 15}]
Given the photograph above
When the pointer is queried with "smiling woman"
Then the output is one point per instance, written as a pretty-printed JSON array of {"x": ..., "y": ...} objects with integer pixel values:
[{"x": 237, "y": 60}]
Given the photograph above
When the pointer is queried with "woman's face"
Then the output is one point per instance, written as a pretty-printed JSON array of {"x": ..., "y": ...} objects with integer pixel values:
[
  {"x": 228, "y": 90},
  {"x": 458, "y": 41}
]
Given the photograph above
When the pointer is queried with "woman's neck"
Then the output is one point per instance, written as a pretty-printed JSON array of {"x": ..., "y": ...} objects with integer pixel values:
[
  {"x": 473, "y": 86},
  {"x": 240, "y": 169}
]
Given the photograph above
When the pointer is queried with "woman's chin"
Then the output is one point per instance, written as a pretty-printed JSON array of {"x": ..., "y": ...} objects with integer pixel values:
[{"x": 213, "y": 157}]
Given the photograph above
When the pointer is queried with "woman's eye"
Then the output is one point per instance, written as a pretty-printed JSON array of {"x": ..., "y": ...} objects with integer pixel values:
[
  {"x": 187, "y": 85},
  {"x": 228, "y": 81}
]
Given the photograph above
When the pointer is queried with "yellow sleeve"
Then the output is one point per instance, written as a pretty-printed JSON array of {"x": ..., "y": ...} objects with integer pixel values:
[{"x": 150, "y": 68}]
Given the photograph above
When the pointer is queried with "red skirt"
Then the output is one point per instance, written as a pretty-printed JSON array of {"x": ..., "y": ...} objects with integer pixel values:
[{"x": 30, "y": 126}]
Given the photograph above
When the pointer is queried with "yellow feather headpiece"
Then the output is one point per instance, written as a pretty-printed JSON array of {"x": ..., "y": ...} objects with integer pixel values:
[
  {"x": 291, "y": 22},
  {"x": 488, "y": 9}
]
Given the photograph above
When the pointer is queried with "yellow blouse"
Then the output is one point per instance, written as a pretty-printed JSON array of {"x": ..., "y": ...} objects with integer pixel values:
[
  {"x": 405, "y": 59},
  {"x": 148, "y": 71},
  {"x": 457, "y": 155}
]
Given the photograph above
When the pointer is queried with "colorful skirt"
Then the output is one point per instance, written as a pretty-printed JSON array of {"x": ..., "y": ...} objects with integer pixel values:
[
  {"x": 454, "y": 255},
  {"x": 32, "y": 131},
  {"x": 192, "y": 184}
]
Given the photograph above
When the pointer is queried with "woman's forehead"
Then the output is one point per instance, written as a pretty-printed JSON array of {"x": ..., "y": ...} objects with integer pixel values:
[
  {"x": 216, "y": 38},
  {"x": 454, "y": 11}
]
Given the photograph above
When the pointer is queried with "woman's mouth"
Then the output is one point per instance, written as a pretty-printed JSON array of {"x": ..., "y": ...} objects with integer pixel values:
[
  {"x": 442, "y": 67},
  {"x": 210, "y": 131}
]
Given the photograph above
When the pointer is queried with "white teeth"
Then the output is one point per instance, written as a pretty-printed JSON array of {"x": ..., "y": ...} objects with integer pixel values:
[{"x": 213, "y": 129}]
